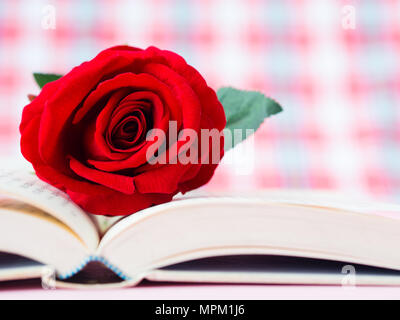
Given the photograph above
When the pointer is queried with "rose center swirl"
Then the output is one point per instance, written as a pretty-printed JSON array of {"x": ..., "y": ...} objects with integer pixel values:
[{"x": 129, "y": 125}]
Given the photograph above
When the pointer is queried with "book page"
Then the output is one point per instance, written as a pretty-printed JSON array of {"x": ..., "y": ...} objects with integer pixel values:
[
  {"x": 26, "y": 187},
  {"x": 195, "y": 228},
  {"x": 268, "y": 269},
  {"x": 14, "y": 267},
  {"x": 335, "y": 200},
  {"x": 23, "y": 207}
]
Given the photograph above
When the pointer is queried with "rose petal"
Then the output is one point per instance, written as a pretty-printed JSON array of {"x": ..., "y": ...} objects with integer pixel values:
[
  {"x": 141, "y": 81},
  {"x": 191, "y": 108},
  {"x": 116, "y": 203},
  {"x": 114, "y": 181},
  {"x": 138, "y": 82},
  {"x": 61, "y": 180},
  {"x": 164, "y": 179},
  {"x": 211, "y": 107},
  {"x": 95, "y": 146},
  {"x": 160, "y": 119},
  {"x": 121, "y": 140},
  {"x": 61, "y": 105}
]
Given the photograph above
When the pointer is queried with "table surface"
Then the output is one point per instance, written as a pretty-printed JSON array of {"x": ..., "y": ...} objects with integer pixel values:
[{"x": 165, "y": 291}]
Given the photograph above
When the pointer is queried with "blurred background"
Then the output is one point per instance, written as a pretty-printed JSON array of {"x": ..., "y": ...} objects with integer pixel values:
[{"x": 333, "y": 65}]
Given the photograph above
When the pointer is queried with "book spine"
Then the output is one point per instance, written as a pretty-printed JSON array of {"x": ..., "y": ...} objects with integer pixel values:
[{"x": 110, "y": 266}]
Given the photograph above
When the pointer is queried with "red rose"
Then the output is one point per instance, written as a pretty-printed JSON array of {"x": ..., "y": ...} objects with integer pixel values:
[{"x": 86, "y": 132}]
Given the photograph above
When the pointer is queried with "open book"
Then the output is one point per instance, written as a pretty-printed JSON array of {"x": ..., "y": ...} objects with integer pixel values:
[{"x": 269, "y": 237}]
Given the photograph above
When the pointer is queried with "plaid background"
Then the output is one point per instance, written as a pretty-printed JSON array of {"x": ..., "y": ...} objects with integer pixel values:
[{"x": 340, "y": 87}]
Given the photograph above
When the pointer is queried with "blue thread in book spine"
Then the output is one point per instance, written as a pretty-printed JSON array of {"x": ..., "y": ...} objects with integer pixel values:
[{"x": 90, "y": 259}]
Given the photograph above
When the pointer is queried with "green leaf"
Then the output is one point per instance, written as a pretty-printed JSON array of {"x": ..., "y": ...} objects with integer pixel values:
[
  {"x": 43, "y": 78},
  {"x": 245, "y": 110}
]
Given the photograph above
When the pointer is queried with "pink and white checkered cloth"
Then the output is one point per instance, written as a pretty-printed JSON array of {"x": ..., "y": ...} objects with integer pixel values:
[{"x": 340, "y": 87}]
